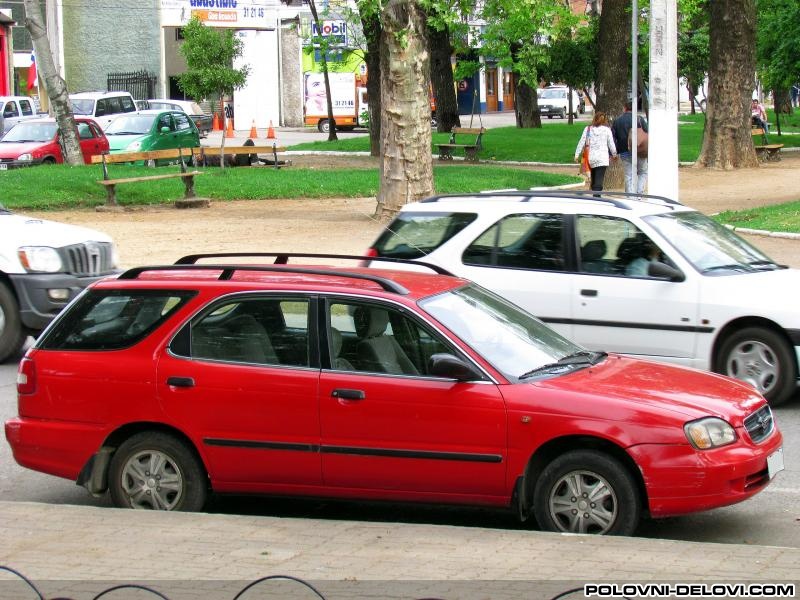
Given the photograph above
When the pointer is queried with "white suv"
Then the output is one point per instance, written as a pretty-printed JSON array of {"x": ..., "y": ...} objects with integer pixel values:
[
  {"x": 103, "y": 107},
  {"x": 638, "y": 275},
  {"x": 554, "y": 102}
]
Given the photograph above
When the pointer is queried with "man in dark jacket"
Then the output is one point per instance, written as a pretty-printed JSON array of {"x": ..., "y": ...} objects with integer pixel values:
[{"x": 621, "y": 129}]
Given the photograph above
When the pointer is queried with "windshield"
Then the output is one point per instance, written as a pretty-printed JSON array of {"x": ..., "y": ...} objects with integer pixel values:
[
  {"x": 130, "y": 125},
  {"x": 31, "y": 132},
  {"x": 550, "y": 94},
  {"x": 513, "y": 341},
  {"x": 83, "y": 106},
  {"x": 711, "y": 248}
]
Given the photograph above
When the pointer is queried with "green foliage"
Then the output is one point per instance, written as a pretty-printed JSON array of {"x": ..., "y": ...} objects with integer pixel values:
[
  {"x": 517, "y": 34},
  {"x": 777, "y": 217},
  {"x": 693, "y": 41},
  {"x": 62, "y": 186},
  {"x": 209, "y": 54},
  {"x": 572, "y": 59},
  {"x": 777, "y": 42}
]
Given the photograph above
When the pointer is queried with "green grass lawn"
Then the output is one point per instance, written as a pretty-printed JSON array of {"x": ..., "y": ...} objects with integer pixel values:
[
  {"x": 556, "y": 142},
  {"x": 62, "y": 186},
  {"x": 778, "y": 217}
]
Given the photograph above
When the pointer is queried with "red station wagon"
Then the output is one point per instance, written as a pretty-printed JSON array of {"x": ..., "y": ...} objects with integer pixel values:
[
  {"x": 38, "y": 142},
  {"x": 169, "y": 383}
]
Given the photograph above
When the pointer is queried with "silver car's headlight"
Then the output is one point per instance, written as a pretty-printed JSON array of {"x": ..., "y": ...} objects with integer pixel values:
[
  {"x": 709, "y": 432},
  {"x": 40, "y": 258}
]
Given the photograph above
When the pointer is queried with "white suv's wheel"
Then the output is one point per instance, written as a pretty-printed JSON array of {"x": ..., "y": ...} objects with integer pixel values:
[{"x": 12, "y": 334}]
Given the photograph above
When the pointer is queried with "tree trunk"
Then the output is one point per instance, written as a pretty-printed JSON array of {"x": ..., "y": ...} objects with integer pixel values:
[
  {"x": 727, "y": 143},
  {"x": 442, "y": 80},
  {"x": 372, "y": 32},
  {"x": 613, "y": 69},
  {"x": 406, "y": 169},
  {"x": 54, "y": 84},
  {"x": 526, "y": 106},
  {"x": 332, "y": 137}
]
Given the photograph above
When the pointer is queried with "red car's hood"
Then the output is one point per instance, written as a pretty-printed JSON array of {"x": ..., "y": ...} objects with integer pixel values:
[
  {"x": 688, "y": 392},
  {"x": 14, "y": 149}
]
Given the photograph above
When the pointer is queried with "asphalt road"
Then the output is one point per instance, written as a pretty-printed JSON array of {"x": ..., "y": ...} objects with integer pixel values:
[{"x": 770, "y": 518}]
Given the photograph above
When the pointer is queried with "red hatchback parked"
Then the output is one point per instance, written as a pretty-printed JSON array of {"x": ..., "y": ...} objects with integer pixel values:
[
  {"x": 38, "y": 142},
  {"x": 169, "y": 383}
]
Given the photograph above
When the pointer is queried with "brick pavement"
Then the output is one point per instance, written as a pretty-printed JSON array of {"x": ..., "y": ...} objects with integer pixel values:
[{"x": 80, "y": 551}]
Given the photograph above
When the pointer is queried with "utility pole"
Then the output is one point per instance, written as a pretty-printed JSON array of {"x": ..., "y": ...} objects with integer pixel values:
[
  {"x": 663, "y": 123},
  {"x": 54, "y": 84}
]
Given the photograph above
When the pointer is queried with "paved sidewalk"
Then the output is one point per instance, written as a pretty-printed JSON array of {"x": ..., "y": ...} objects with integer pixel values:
[{"x": 80, "y": 551}]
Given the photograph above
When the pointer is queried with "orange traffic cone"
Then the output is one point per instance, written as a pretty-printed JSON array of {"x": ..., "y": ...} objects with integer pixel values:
[
  {"x": 253, "y": 132},
  {"x": 229, "y": 130},
  {"x": 215, "y": 126},
  {"x": 270, "y": 131}
]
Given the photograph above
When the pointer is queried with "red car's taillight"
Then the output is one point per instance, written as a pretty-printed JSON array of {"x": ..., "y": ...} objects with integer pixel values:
[
  {"x": 369, "y": 252},
  {"x": 26, "y": 377}
]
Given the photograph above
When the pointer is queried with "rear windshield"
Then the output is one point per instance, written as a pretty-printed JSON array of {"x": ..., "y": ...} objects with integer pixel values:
[
  {"x": 414, "y": 235},
  {"x": 112, "y": 319}
]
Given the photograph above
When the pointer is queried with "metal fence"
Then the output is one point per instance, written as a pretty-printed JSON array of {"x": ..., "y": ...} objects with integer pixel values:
[{"x": 141, "y": 84}]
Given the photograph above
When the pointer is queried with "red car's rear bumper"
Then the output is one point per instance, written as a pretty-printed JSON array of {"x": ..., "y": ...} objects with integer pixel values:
[{"x": 680, "y": 479}]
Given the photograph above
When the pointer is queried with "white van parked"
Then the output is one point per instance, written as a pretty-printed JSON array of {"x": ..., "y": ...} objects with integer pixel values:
[
  {"x": 103, "y": 107},
  {"x": 554, "y": 102}
]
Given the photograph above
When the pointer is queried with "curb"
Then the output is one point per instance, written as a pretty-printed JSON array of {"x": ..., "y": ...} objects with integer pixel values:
[{"x": 765, "y": 233}]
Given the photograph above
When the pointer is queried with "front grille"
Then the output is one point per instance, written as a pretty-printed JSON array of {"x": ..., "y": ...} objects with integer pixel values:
[
  {"x": 760, "y": 424},
  {"x": 88, "y": 259}
]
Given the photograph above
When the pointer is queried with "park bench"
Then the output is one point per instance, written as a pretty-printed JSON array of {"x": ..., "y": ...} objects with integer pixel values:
[
  {"x": 765, "y": 151},
  {"x": 470, "y": 150},
  {"x": 151, "y": 155},
  {"x": 240, "y": 155}
]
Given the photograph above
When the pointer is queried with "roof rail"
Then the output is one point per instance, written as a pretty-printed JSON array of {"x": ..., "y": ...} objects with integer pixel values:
[
  {"x": 282, "y": 258},
  {"x": 228, "y": 271},
  {"x": 617, "y": 199}
]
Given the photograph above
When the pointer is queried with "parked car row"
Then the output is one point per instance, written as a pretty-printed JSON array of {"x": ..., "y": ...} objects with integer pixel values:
[{"x": 38, "y": 141}]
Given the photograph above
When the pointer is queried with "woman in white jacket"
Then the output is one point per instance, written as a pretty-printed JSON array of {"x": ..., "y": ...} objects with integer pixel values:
[{"x": 600, "y": 140}]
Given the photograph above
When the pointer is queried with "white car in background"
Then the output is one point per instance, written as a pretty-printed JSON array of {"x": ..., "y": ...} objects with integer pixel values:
[{"x": 636, "y": 275}]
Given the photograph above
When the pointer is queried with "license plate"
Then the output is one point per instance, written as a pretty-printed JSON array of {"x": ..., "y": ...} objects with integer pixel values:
[
  {"x": 3, "y": 167},
  {"x": 775, "y": 463}
]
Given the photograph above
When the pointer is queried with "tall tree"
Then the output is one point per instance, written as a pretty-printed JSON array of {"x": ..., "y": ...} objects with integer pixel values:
[
  {"x": 323, "y": 44},
  {"x": 727, "y": 143},
  {"x": 777, "y": 56},
  {"x": 613, "y": 68},
  {"x": 54, "y": 84},
  {"x": 406, "y": 170},
  {"x": 517, "y": 34},
  {"x": 442, "y": 76},
  {"x": 209, "y": 54},
  {"x": 369, "y": 12},
  {"x": 693, "y": 44}
]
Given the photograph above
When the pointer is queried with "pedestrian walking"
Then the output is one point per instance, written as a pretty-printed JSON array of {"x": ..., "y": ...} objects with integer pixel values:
[
  {"x": 598, "y": 139},
  {"x": 621, "y": 128}
]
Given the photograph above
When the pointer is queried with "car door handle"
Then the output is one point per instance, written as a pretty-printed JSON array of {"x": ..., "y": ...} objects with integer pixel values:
[
  {"x": 590, "y": 293},
  {"x": 180, "y": 381},
  {"x": 345, "y": 394}
]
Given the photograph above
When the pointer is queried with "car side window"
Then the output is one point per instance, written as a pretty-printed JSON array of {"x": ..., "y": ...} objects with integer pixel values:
[
  {"x": 182, "y": 122},
  {"x": 373, "y": 338},
  {"x": 27, "y": 108},
  {"x": 525, "y": 241},
  {"x": 126, "y": 104},
  {"x": 10, "y": 110},
  {"x": 101, "y": 108},
  {"x": 614, "y": 246},
  {"x": 261, "y": 331},
  {"x": 165, "y": 121},
  {"x": 85, "y": 132}
]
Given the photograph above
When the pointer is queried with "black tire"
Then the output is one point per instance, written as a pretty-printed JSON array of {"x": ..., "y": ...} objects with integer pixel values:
[
  {"x": 49, "y": 160},
  {"x": 763, "y": 358},
  {"x": 12, "y": 333},
  {"x": 617, "y": 514},
  {"x": 562, "y": 114},
  {"x": 549, "y": 116},
  {"x": 132, "y": 486},
  {"x": 324, "y": 126},
  {"x": 434, "y": 122}
]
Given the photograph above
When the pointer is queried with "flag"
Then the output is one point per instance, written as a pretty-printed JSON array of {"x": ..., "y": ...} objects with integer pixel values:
[{"x": 33, "y": 79}]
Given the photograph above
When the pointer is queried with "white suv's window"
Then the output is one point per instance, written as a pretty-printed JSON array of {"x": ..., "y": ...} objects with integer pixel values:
[
  {"x": 612, "y": 245},
  {"x": 526, "y": 241},
  {"x": 417, "y": 235}
]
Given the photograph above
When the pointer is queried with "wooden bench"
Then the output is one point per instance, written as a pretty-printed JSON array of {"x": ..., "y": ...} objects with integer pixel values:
[
  {"x": 151, "y": 155},
  {"x": 765, "y": 151},
  {"x": 470, "y": 150},
  {"x": 202, "y": 153}
]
